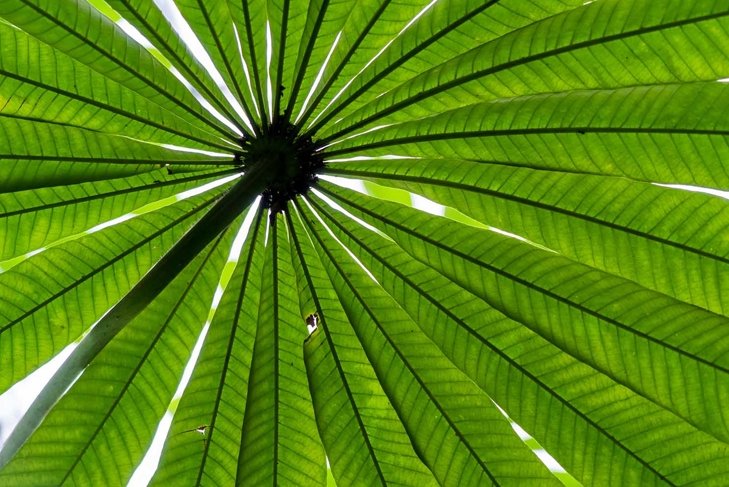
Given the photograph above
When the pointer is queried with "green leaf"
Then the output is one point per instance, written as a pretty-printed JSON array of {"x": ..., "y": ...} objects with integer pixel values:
[
  {"x": 31, "y": 220},
  {"x": 658, "y": 237},
  {"x": 280, "y": 443},
  {"x": 219, "y": 26},
  {"x": 81, "y": 280},
  {"x": 535, "y": 269},
  {"x": 38, "y": 154},
  {"x": 154, "y": 25},
  {"x": 639, "y": 337},
  {"x": 216, "y": 395},
  {"x": 42, "y": 83},
  {"x": 577, "y": 413},
  {"x": 134, "y": 301},
  {"x": 661, "y": 133},
  {"x": 389, "y": 43},
  {"x": 361, "y": 432},
  {"x": 422, "y": 383},
  {"x": 612, "y": 37},
  {"x": 146, "y": 361},
  {"x": 77, "y": 27}
]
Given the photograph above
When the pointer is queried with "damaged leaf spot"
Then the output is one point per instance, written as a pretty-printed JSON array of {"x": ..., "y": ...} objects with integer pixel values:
[{"x": 312, "y": 322}]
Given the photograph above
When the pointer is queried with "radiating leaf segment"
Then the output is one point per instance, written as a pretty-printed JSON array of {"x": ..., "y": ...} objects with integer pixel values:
[{"x": 554, "y": 277}]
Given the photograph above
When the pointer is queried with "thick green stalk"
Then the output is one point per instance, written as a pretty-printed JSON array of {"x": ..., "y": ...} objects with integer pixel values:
[{"x": 220, "y": 216}]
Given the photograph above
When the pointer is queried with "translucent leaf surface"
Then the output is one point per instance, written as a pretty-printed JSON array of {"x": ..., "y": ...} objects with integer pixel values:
[{"x": 365, "y": 242}]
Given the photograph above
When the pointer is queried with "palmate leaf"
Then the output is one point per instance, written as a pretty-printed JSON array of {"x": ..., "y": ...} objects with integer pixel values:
[{"x": 568, "y": 295}]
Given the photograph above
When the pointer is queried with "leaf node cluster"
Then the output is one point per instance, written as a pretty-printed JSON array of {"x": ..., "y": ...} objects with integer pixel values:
[{"x": 293, "y": 160}]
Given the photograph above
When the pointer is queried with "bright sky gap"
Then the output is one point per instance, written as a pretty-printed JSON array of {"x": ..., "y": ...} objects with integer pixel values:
[
  {"x": 346, "y": 249},
  {"x": 269, "y": 57},
  {"x": 246, "y": 72},
  {"x": 319, "y": 76}
]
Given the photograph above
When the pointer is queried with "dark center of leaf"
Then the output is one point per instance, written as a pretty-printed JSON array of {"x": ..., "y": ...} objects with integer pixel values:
[{"x": 290, "y": 159}]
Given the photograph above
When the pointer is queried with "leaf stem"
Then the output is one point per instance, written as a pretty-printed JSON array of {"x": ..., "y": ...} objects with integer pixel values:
[{"x": 220, "y": 216}]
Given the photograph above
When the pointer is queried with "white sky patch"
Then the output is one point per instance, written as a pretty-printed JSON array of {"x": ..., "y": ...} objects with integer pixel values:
[
  {"x": 110, "y": 223},
  {"x": 696, "y": 189},
  {"x": 384, "y": 48},
  {"x": 346, "y": 249},
  {"x": 148, "y": 466},
  {"x": 132, "y": 32},
  {"x": 353, "y": 184},
  {"x": 185, "y": 32},
  {"x": 268, "y": 228},
  {"x": 246, "y": 72},
  {"x": 547, "y": 459},
  {"x": 269, "y": 57},
  {"x": 427, "y": 205},
  {"x": 234, "y": 145},
  {"x": 517, "y": 237},
  {"x": 148, "y": 208},
  {"x": 242, "y": 235},
  {"x": 523, "y": 435},
  {"x": 206, "y": 104},
  {"x": 319, "y": 76},
  {"x": 15, "y": 401},
  {"x": 179, "y": 148},
  {"x": 35, "y": 252},
  {"x": 336, "y": 206},
  {"x": 723, "y": 80},
  {"x": 218, "y": 295},
  {"x": 204, "y": 188}
]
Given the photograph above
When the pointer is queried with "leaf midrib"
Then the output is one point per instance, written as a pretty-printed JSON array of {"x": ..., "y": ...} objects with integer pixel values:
[
  {"x": 229, "y": 347},
  {"x": 107, "y": 264},
  {"x": 107, "y": 107},
  {"x": 119, "y": 192},
  {"x": 420, "y": 46},
  {"x": 184, "y": 66},
  {"x": 578, "y": 130}
]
